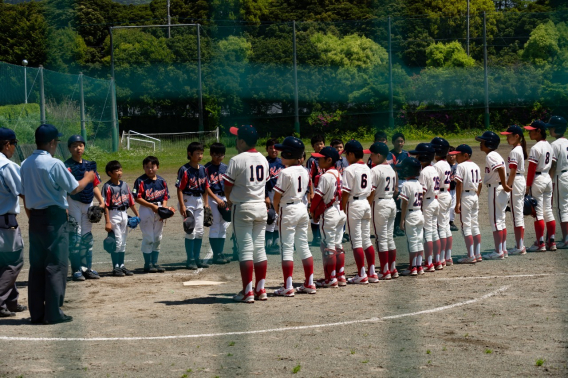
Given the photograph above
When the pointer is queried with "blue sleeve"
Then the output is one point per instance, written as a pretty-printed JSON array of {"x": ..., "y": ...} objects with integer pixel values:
[
  {"x": 12, "y": 179},
  {"x": 62, "y": 178}
]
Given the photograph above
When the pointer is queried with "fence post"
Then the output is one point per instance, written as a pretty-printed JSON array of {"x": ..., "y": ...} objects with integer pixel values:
[
  {"x": 111, "y": 53},
  {"x": 391, "y": 96},
  {"x": 82, "y": 105},
  {"x": 486, "y": 81},
  {"x": 41, "y": 96},
  {"x": 114, "y": 116},
  {"x": 199, "y": 78},
  {"x": 296, "y": 107}
]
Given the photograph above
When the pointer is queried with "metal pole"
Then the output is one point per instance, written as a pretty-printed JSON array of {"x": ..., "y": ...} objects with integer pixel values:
[
  {"x": 25, "y": 84},
  {"x": 296, "y": 107},
  {"x": 391, "y": 96},
  {"x": 41, "y": 96},
  {"x": 199, "y": 78},
  {"x": 111, "y": 54},
  {"x": 82, "y": 106},
  {"x": 486, "y": 116},
  {"x": 467, "y": 27},
  {"x": 169, "y": 21},
  {"x": 114, "y": 118}
]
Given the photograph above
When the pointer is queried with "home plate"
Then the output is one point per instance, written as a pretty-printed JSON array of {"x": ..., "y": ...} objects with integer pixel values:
[{"x": 202, "y": 283}]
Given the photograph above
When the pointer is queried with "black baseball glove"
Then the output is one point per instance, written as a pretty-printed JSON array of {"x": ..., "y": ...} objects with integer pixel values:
[
  {"x": 207, "y": 217},
  {"x": 95, "y": 213},
  {"x": 165, "y": 212}
]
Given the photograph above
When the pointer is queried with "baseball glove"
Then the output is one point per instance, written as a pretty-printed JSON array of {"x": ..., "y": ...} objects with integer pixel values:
[
  {"x": 110, "y": 243},
  {"x": 271, "y": 216},
  {"x": 530, "y": 205},
  {"x": 133, "y": 222},
  {"x": 94, "y": 214},
  {"x": 225, "y": 213},
  {"x": 189, "y": 223},
  {"x": 165, "y": 212},
  {"x": 207, "y": 217}
]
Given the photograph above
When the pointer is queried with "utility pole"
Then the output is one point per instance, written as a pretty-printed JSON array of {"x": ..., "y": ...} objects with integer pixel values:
[
  {"x": 296, "y": 109},
  {"x": 201, "y": 128},
  {"x": 170, "y": 21},
  {"x": 468, "y": 27},
  {"x": 42, "y": 96},
  {"x": 391, "y": 95},
  {"x": 82, "y": 107},
  {"x": 25, "y": 64},
  {"x": 486, "y": 80}
]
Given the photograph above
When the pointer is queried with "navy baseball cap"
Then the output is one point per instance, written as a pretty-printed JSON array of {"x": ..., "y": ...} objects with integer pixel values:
[
  {"x": 354, "y": 146},
  {"x": 327, "y": 152},
  {"x": 379, "y": 148},
  {"x": 46, "y": 133},
  {"x": 247, "y": 133},
  {"x": 75, "y": 138},
  {"x": 513, "y": 129},
  {"x": 556, "y": 121},
  {"x": 536, "y": 125},
  {"x": 7, "y": 134},
  {"x": 462, "y": 149}
]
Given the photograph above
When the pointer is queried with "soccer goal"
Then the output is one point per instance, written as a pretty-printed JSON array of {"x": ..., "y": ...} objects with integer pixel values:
[{"x": 160, "y": 141}]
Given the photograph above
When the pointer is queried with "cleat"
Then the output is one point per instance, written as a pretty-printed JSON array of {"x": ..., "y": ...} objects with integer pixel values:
[
  {"x": 248, "y": 298},
  {"x": 373, "y": 278},
  {"x": 430, "y": 268},
  {"x": 453, "y": 226},
  {"x": 517, "y": 251},
  {"x": 506, "y": 254},
  {"x": 551, "y": 247},
  {"x": 150, "y": 269},
  {"x": 341, "y": 281},
  {"x": 327, "y": 283},
  {"x": 495, "y": 256},
  {"x": 191, "y": 265},
  {"x": 410, "y": 272},
  {"x": 448, "y": 262},
  {"x": 91, "y": 275},
  {"x": 78, "y": 276},
  {"x": 386, "y": 276},
  {"x": 283, "y": 292},
  {"x": 479, "y": 258},
  {"x": 5, "y": 313},
  {"x": 18, "y": 308},
  {"x": 536, "y": 247},
  {"x": 126, "y": 271},
  {"x": 439, "y": 266},
  {"x": 202, "y": 264},
  {"x": 467, "y": 260},
  {"x": 308, "y": 289},
  {"x": 260, "y": 295},
  {"x": 358, "y": 280},
  {"x": 398, "y": 232},
  {"x": 117, "y": 272},
  {"x": 394, "y": 274},
  {"x": 562, "y": 245},
  {"x": 420, "y": 271},
  {"x": 443, "y": 263}
]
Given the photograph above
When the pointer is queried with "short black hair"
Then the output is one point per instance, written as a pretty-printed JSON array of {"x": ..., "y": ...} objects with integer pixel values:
[
  {"x": 151, "y": 159},
  {"x": 380, "y": 135},
  {"x": 396, "y": 136},
  {"x": 194, "y": 146},
  {"x": 335, "y": 142},
  {"x": 358, "y": 154},
  {"x": 217, "y": 148},
  {"x": 452, "y": 148},
  {"x": 271, "y": 142},
  {"x": 317, "y": 138},
  {"x": 112, "y": 166}
]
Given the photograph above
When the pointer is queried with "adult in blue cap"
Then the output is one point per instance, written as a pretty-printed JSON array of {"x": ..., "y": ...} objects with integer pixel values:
[
  {"x": 45, "y": 184},
  {"x": 11, "y": 244}
]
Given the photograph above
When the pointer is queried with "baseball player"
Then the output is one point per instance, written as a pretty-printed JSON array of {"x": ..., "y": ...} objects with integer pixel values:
[
  {"x": 340, "y": 166},
  {"x": 218, "y": 231},
  {"x": 454, "y": 165},
  {"x": 539, "y": 184},
  {"x": 498, "y": 192},
  {"x": 383, "y": 180},
  {"x": 151, "y": 192},
  {"x": 430, "y": 180},
  {"x": 81, "y": 239},
  {"x": 275, "y": 165},
  {"x": 245, "y": 183},
  {"x": 357, "y": 186},
  {"x": 468, "y": 187},
  {"x": 326, "y": 208},
  {"x": 117, "y": 199},
  {"x": 559, "y": 171},
  {"x": 412, "y": 220},
  {"x": 399, "y": 154},
  {"x": 318, "y": 142},
  {"x": 444, "y": 201},
  {"x": 192, "y": 187},
  {"x": 516, "y": 181},
  {"x": 381, "y": 137},
  {"x": 293, "y": 218}
]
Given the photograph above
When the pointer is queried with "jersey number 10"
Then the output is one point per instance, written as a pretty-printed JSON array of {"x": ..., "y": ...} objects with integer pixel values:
[{"x": 259, "y": 173}]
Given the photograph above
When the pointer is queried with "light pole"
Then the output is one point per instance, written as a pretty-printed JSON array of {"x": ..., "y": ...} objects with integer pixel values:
[
  {"x": 169, "y": 21},
  {"x": 25, "y": 63}
]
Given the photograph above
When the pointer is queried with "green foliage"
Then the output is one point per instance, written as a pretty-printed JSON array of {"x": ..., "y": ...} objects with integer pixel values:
[
  {"x": 296, "y": 369},
  {"x": 542, "y": 46},
  {"x": 350, "y": 51},
  {"x": 448, "y": 55}
]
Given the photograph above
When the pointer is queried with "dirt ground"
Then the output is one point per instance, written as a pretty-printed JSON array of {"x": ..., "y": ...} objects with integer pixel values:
[{"x": 496, "y": 318}]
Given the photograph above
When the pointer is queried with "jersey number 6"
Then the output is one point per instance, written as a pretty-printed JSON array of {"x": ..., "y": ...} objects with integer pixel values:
[
  {"x": 259, "y": 173},
  {"x": 363, "y": 180}
]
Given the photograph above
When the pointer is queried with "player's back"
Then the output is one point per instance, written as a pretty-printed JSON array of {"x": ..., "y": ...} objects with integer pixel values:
[
  {"x": 329, "y": 185},
  {"x": 412, "y": 191},
  {"x": 493, "y": 161},
  {"x": 357, "y": 180},
  {"x": 445, "y": 173},
  {"x": 469, "y": 174},
  {"x": 293, "y": 183},
  {"x": 430, "y": 181},
  {"x": 384, "y": 181},
  {"x": 541, "y": 154},
  {"x": 560, "y": 154},
  {"x": 248, "y": 172},
  {"x": 516, "y": 158}
]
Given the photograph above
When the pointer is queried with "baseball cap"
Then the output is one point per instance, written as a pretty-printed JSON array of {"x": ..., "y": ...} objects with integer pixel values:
[
  {"x": 536, "y": 125},
  {"x": 247, "y": 133},
  {"x": 556, "y": 121},
  {"x": 513, "y": 129},
  {"x": 75, "y": 138},
  {"x": 379, "y": 148},
  {"x": 354, "y": 146},
  {"x": 46, "y": 133},
  {"x": 7, "y": 134},
  {"x": 462, "y": 149},
  {"x": 327, "y": 152}
]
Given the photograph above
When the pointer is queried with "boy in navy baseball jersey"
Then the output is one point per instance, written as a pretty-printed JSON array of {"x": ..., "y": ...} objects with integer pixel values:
[
  {"x": 218, "y": 231},
  {"x": 192, "y": 187},
  {"x": 275, "y": 165},
  {"x": 151, "y": 193},
  {"x": 118, "y": 199},
  {"x": 312, "y": 165}
]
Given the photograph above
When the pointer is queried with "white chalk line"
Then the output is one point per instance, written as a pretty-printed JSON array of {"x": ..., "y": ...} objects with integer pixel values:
[
  {"x": 283, "y": 329},
  {"x": 509, "y": 276}
]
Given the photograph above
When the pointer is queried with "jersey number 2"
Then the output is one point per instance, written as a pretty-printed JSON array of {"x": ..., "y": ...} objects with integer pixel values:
[{"x": 259, "y": 173}]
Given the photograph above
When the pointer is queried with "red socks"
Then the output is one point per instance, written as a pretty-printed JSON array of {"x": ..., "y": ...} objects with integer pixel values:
[
  {"x": 519, "y": 237},
  {"x": 497, "y": 241},
  {"x": 504, "y": 240},
  {"x": 246, "y": 275},
  {"x": 443, "y": 249},
  {"x": 477, "y": 244},
  {"x": 339, "y": 264},
  {"x": 437, "y": 249},
  {"x": 370, "y": 256},
  {"x": 539, "y": 230},
  {"x": 469, "y": 246},
  {"x": 392, "y": 260},
  {"x": 359, "y": 260},
  {"x": 384, "y": 261},
  {"x": 287, "y": 270},
  {"x": 260, "y": 269},
  {"x": 330, "y": 265},
  {"x": 308, "y": 270},
  {"x": 428, "y": 250},
  {"x": 551, "y": 230}
]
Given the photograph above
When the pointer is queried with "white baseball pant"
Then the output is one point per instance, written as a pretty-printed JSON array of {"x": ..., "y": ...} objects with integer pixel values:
[
  {"x": 119, "y": 224},
  {"x": 331, "y": 227},
  {"x": 293, "y": 228},
  {"x": 517, "y": 201},
  {"x": 219, "y": 227},
  {"x": 561, "y": 196},
  {"x": 453, "y": 205},
  {"x": 497, "y": 202},
  {"x": 359, "y": 223},
  {"x": 414, "y": 230},
  {"x": 195, "y": 205},
  {"x": 249, "y": 223},
  {"x": 78, "y": 210},
  {"x": 444, "y": 204},
  {"x": 541, "y": 190},
  {"x": 384, "y": 214},
  {"x": 272, "y": 227},
  {"x": 469, "y": 212},
  {"x": 152, "y": 228},
  {"x": 430, "y": 209}
]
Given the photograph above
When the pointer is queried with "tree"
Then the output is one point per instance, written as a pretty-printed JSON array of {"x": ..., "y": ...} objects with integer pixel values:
[
  {"x": 542, "y": 46},
  {"x": 448, "y": 55}
]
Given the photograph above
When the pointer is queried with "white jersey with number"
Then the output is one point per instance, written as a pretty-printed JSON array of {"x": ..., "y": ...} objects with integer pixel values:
[
  {"x": 248, "y": 172},
  {"x": 541, "y": 154},
  {"x": 430, "y": 181},
  {"x": 292, "y": 183},
  {"x": 517, "y": 159},
  {"x": 560, "y": 154},
  {"x": 469, "y": 174},
  {"x": 493, "y": 161},
  {"x": 383, "y": 181},
  {"x": 445, "y": 174},
  {"x": 412, "y": 191},
  {"x": 329, "y": 185},
  {"x": 357, "y": 181}
]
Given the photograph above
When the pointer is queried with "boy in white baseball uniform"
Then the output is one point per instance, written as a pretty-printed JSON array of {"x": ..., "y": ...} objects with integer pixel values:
[
  {"x": 468, "y": 187},
  {"x": 275, "y": 166},
  {"x": 357, "y": 187},
  {"x": 539, "y": 184},
  {"x": 293, "y": 218},
  {"x": 559, "y": 171},
  {"x": 516, "y": 181},
  {"x": 384, "y": 185},
  {"x": 454, "y": 165},
  {"x": 245, "y": 182},
  {"x": 318, "y": 142},
  {"x": 411, "y": 219},
  {"x": 444, "y": 202},
  {"x": 497, "y": 192},
  {"x": 326, "y": 209}
]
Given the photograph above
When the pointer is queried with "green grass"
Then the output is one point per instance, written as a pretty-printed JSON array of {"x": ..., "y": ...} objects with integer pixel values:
[
  {"x": 540, "y": 362},
  {"x": 296, "y": 369}
]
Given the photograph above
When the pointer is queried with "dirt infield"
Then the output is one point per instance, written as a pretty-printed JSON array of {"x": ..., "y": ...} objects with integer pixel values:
[{"x": 495, "y": 318}]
